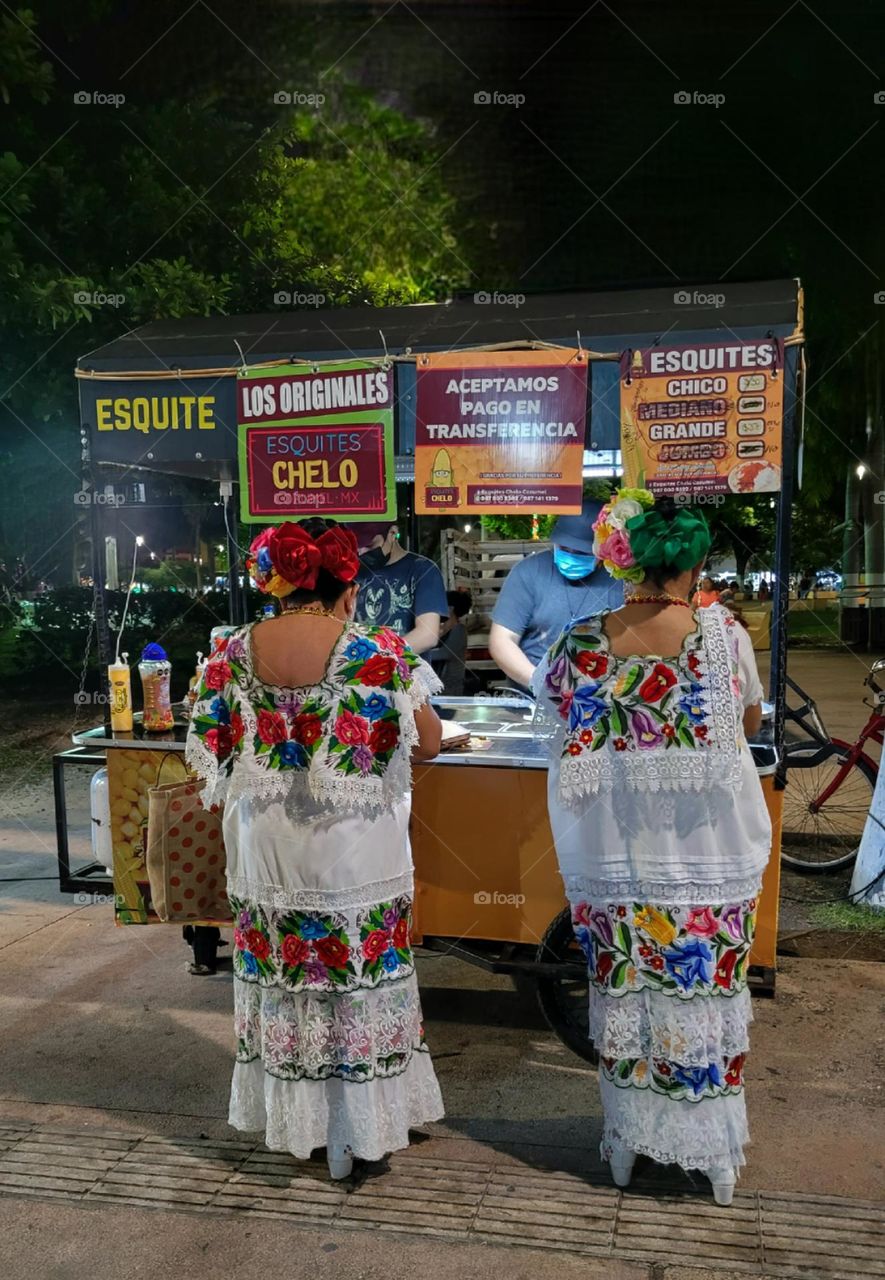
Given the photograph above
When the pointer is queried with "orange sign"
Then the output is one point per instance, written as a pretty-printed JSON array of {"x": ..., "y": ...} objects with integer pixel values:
[
  {"x": 500, "y": 431},
  {"x": 705, "y": 418}
]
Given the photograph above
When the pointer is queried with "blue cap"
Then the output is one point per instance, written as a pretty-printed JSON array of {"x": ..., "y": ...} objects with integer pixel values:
[
  {"x": 153, "y": 653},
  {"x": 577, "y": 531}
]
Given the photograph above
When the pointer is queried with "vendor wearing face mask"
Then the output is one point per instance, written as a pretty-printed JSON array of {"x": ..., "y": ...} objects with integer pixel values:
[
  {"x": 547, "y": 591},
  {"x": 399, "y": 589}
]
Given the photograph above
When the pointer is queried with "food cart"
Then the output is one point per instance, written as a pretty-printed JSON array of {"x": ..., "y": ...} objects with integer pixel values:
[
  {"x": 485, "y": 893},
  {"x": 487, "y": 886}
]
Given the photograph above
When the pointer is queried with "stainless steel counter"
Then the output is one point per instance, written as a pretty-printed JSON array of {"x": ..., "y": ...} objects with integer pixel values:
[{"x": 503, "y": 726}]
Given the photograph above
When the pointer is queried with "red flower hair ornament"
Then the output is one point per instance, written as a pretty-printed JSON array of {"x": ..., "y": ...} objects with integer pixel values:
[{"x": 285, "y": 558}]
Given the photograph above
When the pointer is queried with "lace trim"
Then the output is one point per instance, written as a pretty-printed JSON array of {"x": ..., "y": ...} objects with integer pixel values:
[
  {"x": 694, "y": 1033},
  {"x": 275, "y": 898},
  {"x": 300, "y": 1116},
  {"x": 352, "y": 1036},
  {"x": 677, "y": 893},
  {"x": 200, "y": 760},
  {"x": 695, "y": 1135},
  {"x": 660, "y": 768},
  {"x": 425, "y": 684}
]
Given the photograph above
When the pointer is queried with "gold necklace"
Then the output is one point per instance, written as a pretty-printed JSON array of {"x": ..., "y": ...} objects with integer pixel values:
[
  {"x": 311, "y": 612},
  {"x": 663, "y": 598}
]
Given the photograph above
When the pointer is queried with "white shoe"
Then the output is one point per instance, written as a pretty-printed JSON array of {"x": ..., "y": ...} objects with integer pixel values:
[
  {"x": 722, "y": 1179},
  {"x": 621, "y": 1164},
  {"x": 339, "y": 1160}
]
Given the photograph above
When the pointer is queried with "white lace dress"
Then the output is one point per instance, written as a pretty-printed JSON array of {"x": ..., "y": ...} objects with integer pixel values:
[
  {"x": 662, "y": 835},
  {"x": 315, "y": 783}
]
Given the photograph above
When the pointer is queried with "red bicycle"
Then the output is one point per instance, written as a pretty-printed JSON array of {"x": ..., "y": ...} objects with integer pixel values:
[{"x": 830, "y": 784}]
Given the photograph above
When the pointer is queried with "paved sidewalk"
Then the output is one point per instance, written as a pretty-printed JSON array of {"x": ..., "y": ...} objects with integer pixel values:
[{"x": 490, "y": 1201}]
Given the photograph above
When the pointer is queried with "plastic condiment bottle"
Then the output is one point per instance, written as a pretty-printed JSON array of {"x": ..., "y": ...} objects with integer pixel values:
[
  {"x": 155, "y": 670},
  {"x": 121, "y": 695}
]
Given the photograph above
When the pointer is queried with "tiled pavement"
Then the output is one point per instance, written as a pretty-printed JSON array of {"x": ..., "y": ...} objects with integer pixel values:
[{"x": 763, "y": 1233}]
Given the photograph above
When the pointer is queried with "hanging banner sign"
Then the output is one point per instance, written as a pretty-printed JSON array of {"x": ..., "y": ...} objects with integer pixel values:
[
  {"x": 148, "y": 423},
  {"x": 316, "y": 441},
  {"x": 500, "y": 431},
  {"x": 703, "y": 419}
]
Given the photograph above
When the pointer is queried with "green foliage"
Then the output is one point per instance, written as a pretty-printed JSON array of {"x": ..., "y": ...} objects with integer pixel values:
[
  {"x": 170, "y": 575},
  {"x": 814, "y": 629},
  {"x": 848, "y": 915},
  {"x": 519, "y": 527},
  {"x": 53, "y": 645},
  {"x": 22, "y": 67},
  {"x": 199, "y": 197},
  {"x": 743, "y": 528}
]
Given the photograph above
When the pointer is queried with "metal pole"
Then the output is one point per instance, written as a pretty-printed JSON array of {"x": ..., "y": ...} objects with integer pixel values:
[
  {"x": 99, "y": 595},
  {"x": 777, "y": 685},
  {"x": 235, "y": 595}
]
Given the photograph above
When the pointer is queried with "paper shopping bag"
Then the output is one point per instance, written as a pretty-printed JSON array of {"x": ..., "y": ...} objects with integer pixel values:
[{"x": 185, "y": 855}]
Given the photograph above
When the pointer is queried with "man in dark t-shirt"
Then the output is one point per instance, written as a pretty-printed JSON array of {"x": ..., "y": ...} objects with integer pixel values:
[{"x": 401, "y": 590}]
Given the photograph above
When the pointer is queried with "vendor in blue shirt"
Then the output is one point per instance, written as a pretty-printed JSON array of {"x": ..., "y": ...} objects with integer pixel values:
[
  {"x": 400, "y": 590},
  {"x": 545, "y": 592}
]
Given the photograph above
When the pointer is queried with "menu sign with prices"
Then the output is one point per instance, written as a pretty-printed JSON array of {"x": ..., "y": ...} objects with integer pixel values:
[
  {"x": 702, "y": 419},
  {"x": 500, "y": 431},
  {"x": 316, "y": 441}
]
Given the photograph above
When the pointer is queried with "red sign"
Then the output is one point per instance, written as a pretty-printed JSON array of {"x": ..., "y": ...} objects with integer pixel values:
[
  {"x": 316, "y": 441},
  {"x": 316, "y": 470},
  {"x": 500, "y": 431}
]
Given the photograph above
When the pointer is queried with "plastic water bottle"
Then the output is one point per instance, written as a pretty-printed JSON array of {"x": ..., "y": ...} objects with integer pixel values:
[{"x": 155, "y": 670}]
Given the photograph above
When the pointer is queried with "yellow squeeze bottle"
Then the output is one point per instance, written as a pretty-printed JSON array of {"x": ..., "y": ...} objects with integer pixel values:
[{"x": 121, "y": 695}]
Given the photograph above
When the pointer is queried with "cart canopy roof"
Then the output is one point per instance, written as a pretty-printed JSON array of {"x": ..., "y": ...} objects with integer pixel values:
[{"x": 684, "y": 312}]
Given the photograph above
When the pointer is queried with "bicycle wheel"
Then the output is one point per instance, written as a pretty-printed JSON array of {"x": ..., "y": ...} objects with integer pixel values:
[
  {"x": 824, "y": 839},
  {"x": 565, "y": 1001}
]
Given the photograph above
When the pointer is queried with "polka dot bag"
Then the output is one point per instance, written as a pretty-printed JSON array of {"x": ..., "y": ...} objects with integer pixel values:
[{"x": 185, "y": 855}]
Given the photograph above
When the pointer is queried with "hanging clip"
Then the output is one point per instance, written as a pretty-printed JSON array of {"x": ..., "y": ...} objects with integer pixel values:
[
  {"x": 244, "y": 368},
  {"x": 385, "y": 364}
]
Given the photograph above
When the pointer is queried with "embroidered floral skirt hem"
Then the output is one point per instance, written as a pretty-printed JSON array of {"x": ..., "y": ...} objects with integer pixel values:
[
  {"x": 330, "y": 1046},
  {"x": 670, "y": 1014}
]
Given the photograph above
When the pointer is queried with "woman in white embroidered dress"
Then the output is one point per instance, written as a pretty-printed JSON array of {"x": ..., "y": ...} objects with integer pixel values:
[
  {"x": 303, "y": 728},
  {"x": 662, "y": 836}
]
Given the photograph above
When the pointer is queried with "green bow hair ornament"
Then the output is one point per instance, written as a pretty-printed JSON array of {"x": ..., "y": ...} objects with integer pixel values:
[{"x": 678, "y": 544}]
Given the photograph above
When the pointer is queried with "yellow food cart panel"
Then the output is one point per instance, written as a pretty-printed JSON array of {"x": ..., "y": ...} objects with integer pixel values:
[{"x": 485, "y": 863}]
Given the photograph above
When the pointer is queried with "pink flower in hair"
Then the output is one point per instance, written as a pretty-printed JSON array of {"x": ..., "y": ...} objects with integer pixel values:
[{"x": 616, "y": 548}]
